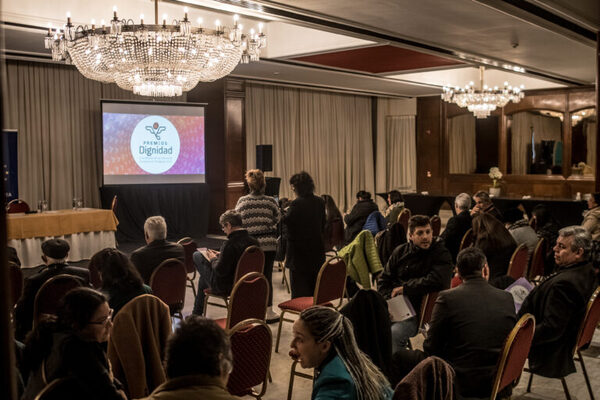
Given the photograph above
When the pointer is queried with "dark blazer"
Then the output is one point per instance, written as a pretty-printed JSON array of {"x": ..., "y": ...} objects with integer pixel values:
[
  {"x": 24, "y": 308},
  {"x": 224, "y": 266},
  {"x": 305, "y": 222},
  {"x": 558, "y": 305},
  {"x": 455, "y": 230},
  {"x": 148, "y": 257},
  {"x": 419, "y": 271},
  {"x": 468, "y": 328},
  {"x": 356, "y": 219}
]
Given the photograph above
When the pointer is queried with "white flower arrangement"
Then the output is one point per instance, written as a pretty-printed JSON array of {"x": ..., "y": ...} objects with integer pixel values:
[{"x": 495, "y": 175}]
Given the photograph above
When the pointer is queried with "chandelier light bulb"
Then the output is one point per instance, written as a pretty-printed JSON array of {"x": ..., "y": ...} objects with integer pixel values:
[
  {"x": 142, "y": 18},
  {"x": 200, "y": 20},
  {"x": 260, "y": 27},
  {"x": 114, "y": 8},
  {"x": 240, "y": 27},
  {"x": 217, "y": 24},
  {"x": 236, "y": 17},
  {"x": 68, "y": 14}
]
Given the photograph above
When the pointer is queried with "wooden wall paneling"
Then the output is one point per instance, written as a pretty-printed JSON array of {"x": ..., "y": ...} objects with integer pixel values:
[
  {"x": 235, "y": 149},
  {"x": 429, "y": 145},
  {"x": 555, "y": 100},
  {"x": 581, "y": 98}
]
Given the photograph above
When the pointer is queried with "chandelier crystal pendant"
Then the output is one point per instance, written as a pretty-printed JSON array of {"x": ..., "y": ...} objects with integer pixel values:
[
  {"x": 481, "y": 102},
  {"x": 155, "y": 60}
]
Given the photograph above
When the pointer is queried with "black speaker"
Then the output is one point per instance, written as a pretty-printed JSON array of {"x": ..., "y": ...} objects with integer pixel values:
[{"x": 264, "y": 157}]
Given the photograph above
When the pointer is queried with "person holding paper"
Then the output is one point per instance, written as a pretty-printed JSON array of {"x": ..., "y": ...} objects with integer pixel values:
[{"x": 414, "y": 269}]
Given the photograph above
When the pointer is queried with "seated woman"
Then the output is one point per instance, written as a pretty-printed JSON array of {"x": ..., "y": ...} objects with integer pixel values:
[
  {"x": 395, "y": 206},
  {"x": 121, "y": 281},
  {"x": 70, "y": 346},
  {"x": 324, "y": 340}
]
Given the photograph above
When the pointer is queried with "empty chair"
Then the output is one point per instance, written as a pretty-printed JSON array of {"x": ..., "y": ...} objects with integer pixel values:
[
  {"x": 248, "y": 300},
  {"x": 168, "y": 283},
  {"x": 403, "y": 218},
  {"x": 17, "y": 206},
  {"x": 189, "y": 246},
  {"x": 251, "y": 346},
  {"x": 251, "y": 260},
  {"x": 426, "y": 310},
  {"x": 52, "y": 291},
  {"x": 517, "y": 267},
  {"x": 436, "y": 225},
  {"x": 514, "y": 353},
  {"x": 331, "y": 283},
  {"x": 16, "y": 282},
  {"x": 536, "y": 265},
  {"x": 467, "y": 240}
]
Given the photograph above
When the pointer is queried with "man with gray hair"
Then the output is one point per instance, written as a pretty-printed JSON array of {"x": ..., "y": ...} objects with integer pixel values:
[
  {"x": 458, "y": 225},
  {"x": 217, "y": 268},
  {"x": 559, "y": 303},
  {"x": 157, "y": 248}
]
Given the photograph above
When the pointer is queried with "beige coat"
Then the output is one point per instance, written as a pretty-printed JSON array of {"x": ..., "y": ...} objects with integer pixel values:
[
  {"x": 591, "y": 222},
  {"x": 193, "y": 387}
]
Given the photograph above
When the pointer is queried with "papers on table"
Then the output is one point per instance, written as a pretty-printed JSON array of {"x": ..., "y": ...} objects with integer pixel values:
[
  {"x": 400, "y": 308},
  {"x": 519, "y": 290}
]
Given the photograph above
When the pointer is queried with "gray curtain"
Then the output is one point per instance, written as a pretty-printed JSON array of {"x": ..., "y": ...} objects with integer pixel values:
[{"x": 57, "y": 114}]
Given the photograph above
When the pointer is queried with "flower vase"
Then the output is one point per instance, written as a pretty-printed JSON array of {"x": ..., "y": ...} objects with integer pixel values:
[{"x": 495, "y": 192}]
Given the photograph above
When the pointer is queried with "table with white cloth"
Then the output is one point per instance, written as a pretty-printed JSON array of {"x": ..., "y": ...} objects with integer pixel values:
[{"x": 88, "y": 230}]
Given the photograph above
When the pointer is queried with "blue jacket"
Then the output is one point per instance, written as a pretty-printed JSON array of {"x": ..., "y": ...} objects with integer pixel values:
[{"x": 334, "y": 382}]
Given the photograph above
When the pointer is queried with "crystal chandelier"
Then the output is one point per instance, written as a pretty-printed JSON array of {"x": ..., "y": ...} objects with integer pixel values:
[
  {"x": 484, "y": 100},
  {"x": 155, "y": 60}
]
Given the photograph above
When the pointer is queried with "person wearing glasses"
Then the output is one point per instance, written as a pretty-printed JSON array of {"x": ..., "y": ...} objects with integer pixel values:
[{"x": 70, "y": 345}]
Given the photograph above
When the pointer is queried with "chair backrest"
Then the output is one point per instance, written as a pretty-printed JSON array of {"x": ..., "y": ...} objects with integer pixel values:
[
  {"x": 189, "y": 247},
  {"x": 17, "y": 206},
  {"x": 51, "y": 292},
  {"x": 16, "y": 282},
  {"x": 336, "y": 238},
  {"x": 536, "y": 266},
  {"x": 331, "y": 281},
  {"x": 517, "y": 267},
  {"x": 249, "y": 298},
  {"x": 252, "y": 260},
  {"x": 113, "y": 204},
  {"x": 590, "y": 321},
  {"x": 403, "y": 218},
  {"x": 432, "y": 378},
  {"x": 69, "y": 388},
  {"x": 427, "y": 308},
  {"x": 168, "y": 282},
  {"x": 251, "y": 346},
  {"x": 436, "y": 225},
  {"x": 514, "y": 353},
  {"x": 467, "y": 240}
]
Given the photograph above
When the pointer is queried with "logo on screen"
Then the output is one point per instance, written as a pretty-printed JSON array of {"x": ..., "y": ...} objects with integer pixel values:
[{"x": 155, "y": 144}]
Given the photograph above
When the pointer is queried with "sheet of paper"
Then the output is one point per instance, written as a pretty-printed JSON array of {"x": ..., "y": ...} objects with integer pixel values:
[
  {"x": 520, "y": 290},
  {"x": 400, "y": 308}
]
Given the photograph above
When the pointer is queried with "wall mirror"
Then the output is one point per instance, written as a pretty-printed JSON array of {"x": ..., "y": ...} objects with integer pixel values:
[
  {"x": 473, "y": 144},
  {"x": 535, "y": 142},
  {"x": 583, "y": 136}
]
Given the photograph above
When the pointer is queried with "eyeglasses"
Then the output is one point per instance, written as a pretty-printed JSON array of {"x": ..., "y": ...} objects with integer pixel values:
[{"x": 104, "y": 320}]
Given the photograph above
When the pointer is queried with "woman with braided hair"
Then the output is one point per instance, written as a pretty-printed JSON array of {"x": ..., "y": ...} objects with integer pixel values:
[{"x": 324, "y": 340}]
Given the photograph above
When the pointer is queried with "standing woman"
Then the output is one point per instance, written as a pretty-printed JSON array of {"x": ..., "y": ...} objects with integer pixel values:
[
  {"x": 333, "y": 216},
  {"x": 260, "y": 215},
  {"x": 324, "y": 339},
  {"x": 305, "y": 222}
]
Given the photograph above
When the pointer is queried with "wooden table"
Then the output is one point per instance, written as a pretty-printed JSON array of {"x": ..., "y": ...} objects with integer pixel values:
[{"x": 87, "y": 230}]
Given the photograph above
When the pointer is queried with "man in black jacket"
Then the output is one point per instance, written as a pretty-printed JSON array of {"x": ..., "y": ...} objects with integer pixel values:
[
  {"x": 468, "y": 328},
  {"x": 357, "y": 217},
  {"x": 559, "y": 303},
  {"x": 458, "y": 225},
  {"x": 217, "y": 269},
  {"x": 55, "y": 254},
  {"x": 157, "y": 248},
  {"x": 415, "y": 268}
]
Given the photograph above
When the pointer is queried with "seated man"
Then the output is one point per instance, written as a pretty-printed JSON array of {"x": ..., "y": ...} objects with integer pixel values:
[
  {"x": 559, "y": 303},
  {"x": 156, "y": 250},
  {"x": 414, "y": 269},
  {"x": 458, "y": 225},
  {"x": 217, "y": 269},
  {"x": 55, "y": 254},
  {"x": 468, "y": 328},
  {"x": 357, "y": 217},
  {"x": 483, "y": 203},
  {"x": 198, "y": 362}
]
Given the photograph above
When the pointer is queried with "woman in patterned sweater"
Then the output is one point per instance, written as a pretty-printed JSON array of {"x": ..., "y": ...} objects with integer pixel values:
[{"x": 260, "y": 215}]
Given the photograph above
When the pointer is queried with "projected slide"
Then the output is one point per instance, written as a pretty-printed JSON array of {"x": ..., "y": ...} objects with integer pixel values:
[{"x": 152, "y": 143}]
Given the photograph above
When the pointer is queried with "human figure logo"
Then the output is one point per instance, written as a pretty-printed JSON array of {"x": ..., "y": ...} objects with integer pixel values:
[{"x": 158, "y": 151}]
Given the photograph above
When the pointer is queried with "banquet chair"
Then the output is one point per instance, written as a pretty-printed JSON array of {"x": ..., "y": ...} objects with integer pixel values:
[
  {"x": 426, "y": 310},
  {"x": 189, "y": 247},
  {"x": 113, "y": 204},
  {"x": 331, "y": 284},
  {"x": 68, "y": 388},
  {"x": 47, "y": 299},
  {"x": 16, "y": 282},
  {"x": 536, "y": 264},
  {"x": 513, "y": 354},
  {"x": 436, "y": 225},
  {"x": 251, "y": 346},
  {"x": 248, "y": 300},
  {"x": 467, "y": 240},
  {"x": 251, "y": 260},
  {"x": 517, "y": 267},
  {"x": 17, "y": 206},
  {"x": 168, "y": 283},
  {"x": 403, "y": 218},
  {"x": 584, "y": 338}
]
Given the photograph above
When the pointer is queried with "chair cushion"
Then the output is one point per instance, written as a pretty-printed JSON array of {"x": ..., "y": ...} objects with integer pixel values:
[{"x": 300, "y": 304}]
